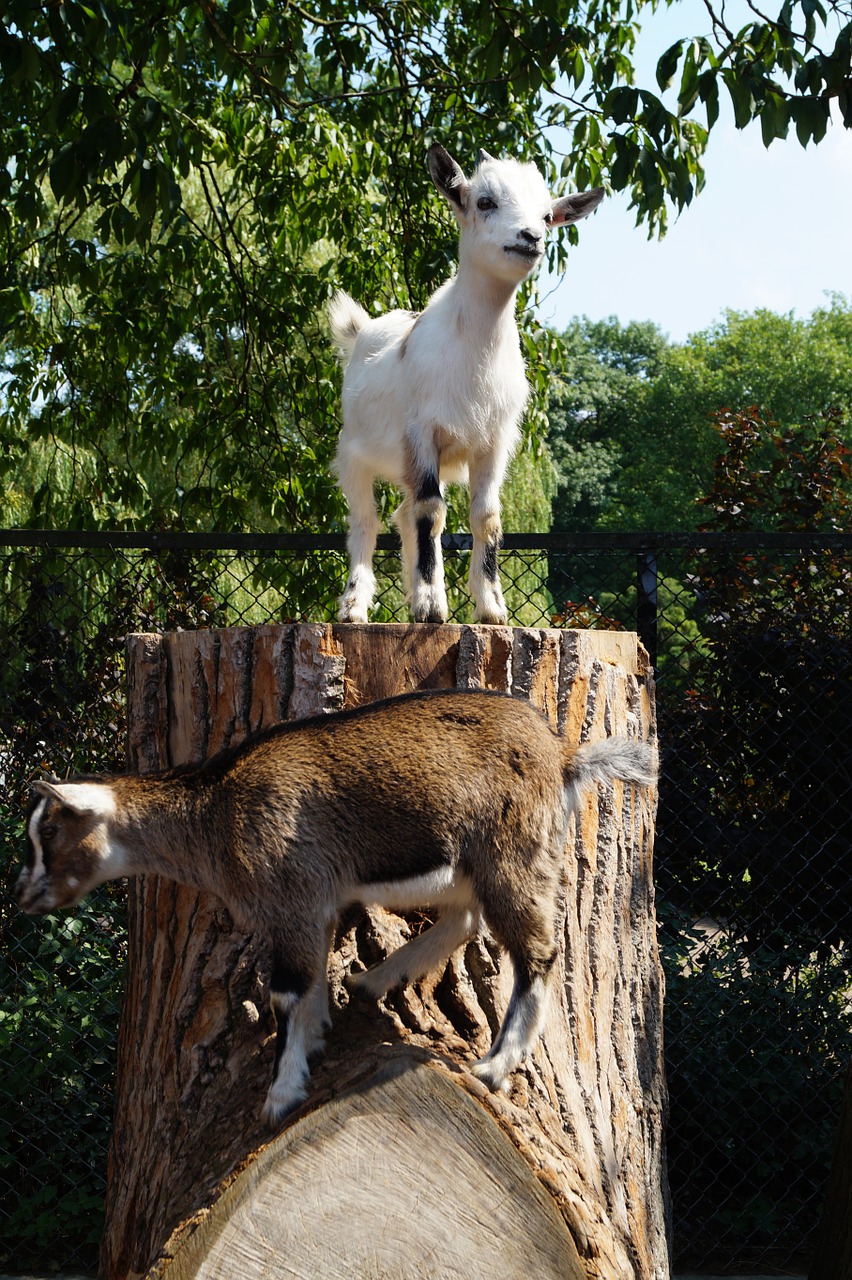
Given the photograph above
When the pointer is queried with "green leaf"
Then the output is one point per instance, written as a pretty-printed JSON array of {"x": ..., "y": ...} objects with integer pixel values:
[
  {"x": 64, "y": 173},
  {"x": 667, "y": 64},
  {"x": 621, "y": 104},
  {"x": 774, "y": 118}
]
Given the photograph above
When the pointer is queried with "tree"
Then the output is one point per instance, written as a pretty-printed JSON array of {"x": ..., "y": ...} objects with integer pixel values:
[
  {"x": 632, "y": 417},
  {"x": 753, "y": 866},
  {"x": 186, "y": 183}
]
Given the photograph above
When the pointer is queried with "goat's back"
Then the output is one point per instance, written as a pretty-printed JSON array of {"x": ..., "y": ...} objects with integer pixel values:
[
  {"x": 397, "y": 788},
  {"x": 434, "y": 742}
]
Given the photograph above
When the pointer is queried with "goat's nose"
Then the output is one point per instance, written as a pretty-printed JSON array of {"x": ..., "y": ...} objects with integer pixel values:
[{"x": 531, "y": 237}]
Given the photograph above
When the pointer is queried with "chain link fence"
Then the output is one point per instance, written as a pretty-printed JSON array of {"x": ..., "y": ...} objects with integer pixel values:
[{"x": 750, "y": 636}]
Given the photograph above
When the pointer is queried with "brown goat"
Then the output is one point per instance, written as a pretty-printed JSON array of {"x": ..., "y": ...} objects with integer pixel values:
[{"x": 456, "y": 800}]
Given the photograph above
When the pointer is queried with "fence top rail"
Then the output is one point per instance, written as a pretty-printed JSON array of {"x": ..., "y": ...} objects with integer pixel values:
[{"x": 643, "y": 542}]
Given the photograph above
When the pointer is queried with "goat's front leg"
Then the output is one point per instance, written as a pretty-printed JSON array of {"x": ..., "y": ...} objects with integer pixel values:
[
  {"x": 420, "y": 518},
  {"x": 299, "y": 999},
  {"x": 486, "y": 477}
]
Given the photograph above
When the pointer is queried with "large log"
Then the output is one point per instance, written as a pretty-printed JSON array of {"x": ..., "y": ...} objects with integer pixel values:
[{"x": 400, "y": 1163}]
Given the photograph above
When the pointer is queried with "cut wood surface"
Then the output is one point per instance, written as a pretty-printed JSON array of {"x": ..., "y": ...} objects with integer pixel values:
[
  {"x": 566, "y": 1170},
  {"x": 325, "y": 1198}
]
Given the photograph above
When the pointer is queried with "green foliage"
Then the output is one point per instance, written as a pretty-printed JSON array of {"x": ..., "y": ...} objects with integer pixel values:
[
  {"x": 62, "y": 709},
  {"x": 764, "y": 819},
  {"x": 783, "y": 70},
  {"x": 752, "y": 1034},
  {"x": 631, "y": 418},
  {"x": 59, "y": 1002},
  {"x": 185, "y": 185},
  {"x": 798, "y": 479}
]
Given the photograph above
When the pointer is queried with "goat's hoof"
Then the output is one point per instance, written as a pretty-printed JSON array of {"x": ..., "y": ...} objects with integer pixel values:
[
  {"x": 433, "y": 613},
  {"x": 276, "y": 1109},
  {"x": 490, "y": 1076},
  {"x": 357, "y": 616},
  {"x": 359, "y": 987}
]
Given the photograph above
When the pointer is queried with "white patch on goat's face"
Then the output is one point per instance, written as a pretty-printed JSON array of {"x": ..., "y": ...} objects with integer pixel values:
[{"x": 31, "y": 882}]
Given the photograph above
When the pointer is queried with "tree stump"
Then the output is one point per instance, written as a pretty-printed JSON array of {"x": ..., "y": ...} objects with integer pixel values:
[{"x": 400, "y": 1163}]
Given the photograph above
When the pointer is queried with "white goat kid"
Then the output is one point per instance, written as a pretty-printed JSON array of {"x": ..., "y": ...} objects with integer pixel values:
[{"x": 437, "y": 398}]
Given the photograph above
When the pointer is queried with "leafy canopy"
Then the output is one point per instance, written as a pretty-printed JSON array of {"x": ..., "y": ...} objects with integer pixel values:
[
  {"x": 184, "y": 184},
  {"x": 632, "y": 420}
]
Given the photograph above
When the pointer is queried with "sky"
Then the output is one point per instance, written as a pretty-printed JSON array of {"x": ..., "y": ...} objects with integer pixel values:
[{"x": 771, "y": 229}]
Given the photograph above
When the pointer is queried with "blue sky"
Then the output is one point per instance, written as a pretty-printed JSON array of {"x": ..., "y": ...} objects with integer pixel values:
[{"x": 772, "y": 227}]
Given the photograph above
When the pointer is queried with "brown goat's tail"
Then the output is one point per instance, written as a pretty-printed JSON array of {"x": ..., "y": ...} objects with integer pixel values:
[{"x": 616, "y": 759}]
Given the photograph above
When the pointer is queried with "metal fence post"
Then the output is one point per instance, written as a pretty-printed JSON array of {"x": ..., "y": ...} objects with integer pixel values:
[{"x": 646, "y": 602}]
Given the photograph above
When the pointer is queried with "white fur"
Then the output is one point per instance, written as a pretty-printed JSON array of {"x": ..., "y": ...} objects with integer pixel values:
[
  {"x": 608, "y": 760},
  {"x": 458, "y": 921},
  {"x": 37, "y": 869},
  {"x": 442, "y": 886},
  {"x": 94, "y": 798},
  {"x": 441, "y": 394},
  {"x": 454, "y": 927}
]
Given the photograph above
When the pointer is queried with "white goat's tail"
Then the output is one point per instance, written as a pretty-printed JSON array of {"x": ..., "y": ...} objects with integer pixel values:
[
  {"x": 608, "y": 760},
  {"x": 346, "y": 319}
]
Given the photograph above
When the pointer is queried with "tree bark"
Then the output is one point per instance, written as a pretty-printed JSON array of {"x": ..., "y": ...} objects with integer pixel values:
[
  {"x": 833, "y": 1253},
  {"x": 400, "y": 1163}
]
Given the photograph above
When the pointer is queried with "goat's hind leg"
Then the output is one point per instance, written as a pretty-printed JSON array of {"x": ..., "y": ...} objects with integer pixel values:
[
  {"x": 530, "y": 939},
  {"x": 519, "y": 1031},
  {"x": 455, "y": 926},
  {"x": 356, "y": 482}
]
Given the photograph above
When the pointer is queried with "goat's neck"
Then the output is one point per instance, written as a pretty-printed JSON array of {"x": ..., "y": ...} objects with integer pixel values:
[
  {"x": 162, "y": 827},
  {"x": 485, "y": 305}
]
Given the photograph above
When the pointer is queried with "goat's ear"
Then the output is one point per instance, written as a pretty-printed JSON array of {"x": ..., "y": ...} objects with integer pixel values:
[
  {"x": 447, "y": 176},
  {"x": 82, "y": 798},
  {"x": 43, "y": 787},
  {"x": 573, "y": 208}
]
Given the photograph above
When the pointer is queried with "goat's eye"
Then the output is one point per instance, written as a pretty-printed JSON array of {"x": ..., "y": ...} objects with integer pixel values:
[
  {"x": 48, "y": 832},
  {"x": 548, "y": 219},
  {"x": 485, "y": 204}
]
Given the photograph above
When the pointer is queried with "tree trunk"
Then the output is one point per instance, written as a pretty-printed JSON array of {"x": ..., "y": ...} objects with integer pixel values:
[
  {"x": 400, "y": 1163},
  {"x": 833, "y": 1254}
]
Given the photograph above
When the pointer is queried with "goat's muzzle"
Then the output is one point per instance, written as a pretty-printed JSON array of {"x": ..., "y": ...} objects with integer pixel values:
[{"x": 34, "y": 899}]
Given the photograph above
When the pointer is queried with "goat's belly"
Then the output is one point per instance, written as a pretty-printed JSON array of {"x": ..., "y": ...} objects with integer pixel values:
[
  {"x": 453, "y": 458},
  {"x": 442, "y": 887}
]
